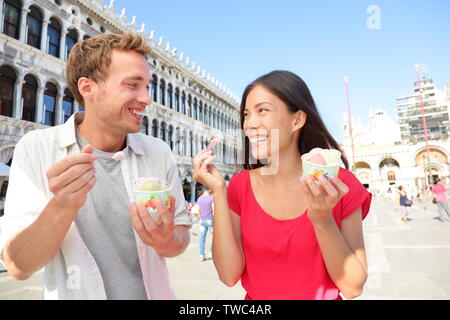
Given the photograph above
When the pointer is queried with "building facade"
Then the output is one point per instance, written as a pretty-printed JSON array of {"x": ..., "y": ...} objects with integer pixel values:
[
  {"x": 384, "y": 159},
  {"x": 189, "y": 106}
]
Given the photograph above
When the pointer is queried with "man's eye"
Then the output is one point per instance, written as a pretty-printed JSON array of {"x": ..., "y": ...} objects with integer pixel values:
[{"x": 133, "y": 85}]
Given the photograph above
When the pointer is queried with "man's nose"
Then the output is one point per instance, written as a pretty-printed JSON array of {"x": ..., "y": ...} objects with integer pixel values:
[{"x": 144, "y": 97}]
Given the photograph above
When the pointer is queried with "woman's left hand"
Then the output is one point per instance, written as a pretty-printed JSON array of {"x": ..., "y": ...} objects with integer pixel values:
[{"x": 322, "y": 197}]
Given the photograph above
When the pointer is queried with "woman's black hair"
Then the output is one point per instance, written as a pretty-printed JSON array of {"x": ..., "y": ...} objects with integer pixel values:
[{"x": 293, "y": 91}]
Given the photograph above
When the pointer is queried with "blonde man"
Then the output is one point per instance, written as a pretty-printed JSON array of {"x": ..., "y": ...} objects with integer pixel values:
[{"x": 69, "y": 206}]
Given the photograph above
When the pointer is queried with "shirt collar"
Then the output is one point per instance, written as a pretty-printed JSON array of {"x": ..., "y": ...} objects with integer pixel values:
[{"x": 67, "y": 137}]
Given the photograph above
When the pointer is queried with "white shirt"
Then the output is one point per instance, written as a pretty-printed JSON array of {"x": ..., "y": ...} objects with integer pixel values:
[{"x": 73, "y": 272}]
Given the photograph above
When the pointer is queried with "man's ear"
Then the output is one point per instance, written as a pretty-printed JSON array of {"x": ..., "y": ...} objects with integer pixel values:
[
  {"x": 299, "y": 120},
  {"x": 87, "y": 88}
]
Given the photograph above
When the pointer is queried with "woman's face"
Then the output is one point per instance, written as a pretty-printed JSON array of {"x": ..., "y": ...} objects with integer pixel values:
[{"x": 269, "y": 124}]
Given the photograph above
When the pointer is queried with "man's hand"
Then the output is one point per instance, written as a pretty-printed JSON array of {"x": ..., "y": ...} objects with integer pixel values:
[
  {"x": 157, "y": 233},
  {"x": 71, "y": 179}
]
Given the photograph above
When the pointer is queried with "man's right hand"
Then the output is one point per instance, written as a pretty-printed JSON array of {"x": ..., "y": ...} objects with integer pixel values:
[{"x": 71, "y": 179}]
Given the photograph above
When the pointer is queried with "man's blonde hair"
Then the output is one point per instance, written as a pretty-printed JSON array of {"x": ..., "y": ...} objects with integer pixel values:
[{"x": 92, "y": 57}]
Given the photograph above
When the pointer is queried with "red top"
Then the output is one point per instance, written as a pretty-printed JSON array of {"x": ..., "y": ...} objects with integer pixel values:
[
  {"x": 282, "y": 257},
  {"x": 439, "y": 190}
]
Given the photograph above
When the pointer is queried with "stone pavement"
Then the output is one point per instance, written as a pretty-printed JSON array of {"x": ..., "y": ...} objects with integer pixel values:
[{"x": 405, "y": 261}]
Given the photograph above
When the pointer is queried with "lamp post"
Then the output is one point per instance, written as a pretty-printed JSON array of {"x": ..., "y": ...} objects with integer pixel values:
[
  {"x": 350, "y": 121},
  {"x": 424, "y": 125}
]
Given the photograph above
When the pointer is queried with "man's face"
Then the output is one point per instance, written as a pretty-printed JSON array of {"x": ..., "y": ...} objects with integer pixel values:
[{"x": 120, "y": 100}]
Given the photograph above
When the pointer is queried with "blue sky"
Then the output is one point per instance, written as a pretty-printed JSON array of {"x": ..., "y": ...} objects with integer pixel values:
[{"x": 321, "y": 41}]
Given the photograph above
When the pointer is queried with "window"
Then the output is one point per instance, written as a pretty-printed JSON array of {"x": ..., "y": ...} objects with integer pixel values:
[
  {"x": 34, "y": 24},
  {"x": 155, "y": 128},
  {"x": 163, "y": 131},
  {"x": 50, "y": 104},
  {"x": 71, "y": 40},
  {"x": 169, "y": 96},
  {"x": 86, "y": 37},
  {"x": 102, "y": 29},
  {"x": 7, "y": 84},
  {"x": 58, "y": 2},
  {"x": 29, "y": 90},
  {"x": 177, "y": 99},
  {"x": 144, "y": 127},
  {"x": 154, "y": 88},
  {"x": 183, "y": 102},
  {"x": 195, "y": 116},
  {"x": 54, "y": 37},
  {"x": 171, "y": 137},
  {"x": 89, "y": 21},
  {"x": 11, "y": 18},
  {"x": 68, "y": 102},
  {"x": 162, "y": 92}
]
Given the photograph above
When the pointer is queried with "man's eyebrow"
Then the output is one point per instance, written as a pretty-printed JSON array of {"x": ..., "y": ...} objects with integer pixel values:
[{"x": 136, "y": 78}]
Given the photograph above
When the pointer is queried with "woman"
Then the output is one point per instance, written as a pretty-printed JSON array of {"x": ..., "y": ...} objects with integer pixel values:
[
  {"x": 404, "y": 202},
  {"x": 205, "y": 203},
  {"x": 440, "y": 194},
  {"x": 283, "y": 235}
]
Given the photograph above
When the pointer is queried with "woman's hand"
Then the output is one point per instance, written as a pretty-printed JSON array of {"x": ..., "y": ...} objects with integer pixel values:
[
  {"x": 322, "y": 197},
  {"x": 206, "y": 172}
]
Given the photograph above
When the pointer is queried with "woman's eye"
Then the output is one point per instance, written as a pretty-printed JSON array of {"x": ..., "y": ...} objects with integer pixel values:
[{"x": 263, "y": 109}]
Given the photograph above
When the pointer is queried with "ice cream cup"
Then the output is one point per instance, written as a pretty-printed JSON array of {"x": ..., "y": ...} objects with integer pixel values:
[
  {"x": 314, "y": 170},
  {"x": 147, "y": 198}
]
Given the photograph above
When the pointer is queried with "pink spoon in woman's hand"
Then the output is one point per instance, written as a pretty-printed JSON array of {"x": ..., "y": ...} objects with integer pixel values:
[{"x": 212, "y": 144}]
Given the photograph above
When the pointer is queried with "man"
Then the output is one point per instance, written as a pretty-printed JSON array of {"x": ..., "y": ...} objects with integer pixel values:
[
  {"x": 440, "y": 193},
  {"x": 67, "y": 206}
]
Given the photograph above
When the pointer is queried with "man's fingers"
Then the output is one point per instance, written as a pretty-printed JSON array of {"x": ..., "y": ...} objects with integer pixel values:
[
  {"x": 72, "y": 175},
  {"x": 87, "y": 149},
  {"x": 78, "y": 182},
  {"x": 85, "y": 188},
  {"x": 149, "y": 224},
  {"x": 165, "y": 213},
  {"x": 61, "y": 166},
  {"x": 137, "y": 223}
]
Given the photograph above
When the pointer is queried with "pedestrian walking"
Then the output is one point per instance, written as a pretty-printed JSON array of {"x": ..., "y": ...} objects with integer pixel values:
[
  {"x": 206, "y": 205},
  {"x": 404, "y": 202},
  {"x": 441, "y": 198}
]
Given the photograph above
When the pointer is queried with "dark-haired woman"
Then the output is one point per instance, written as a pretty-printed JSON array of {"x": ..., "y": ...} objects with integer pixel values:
[{"x": 281, "y": 234}]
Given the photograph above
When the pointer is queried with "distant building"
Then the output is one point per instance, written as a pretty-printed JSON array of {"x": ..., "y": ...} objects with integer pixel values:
[
  {"x": 435, "y": 107},
  {"x": 384, "y": 160}
]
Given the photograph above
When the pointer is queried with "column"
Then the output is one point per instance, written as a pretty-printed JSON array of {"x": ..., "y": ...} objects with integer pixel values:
[
  {"x": 44, "y": 35},
  {"x": 192, "y": 191},
  {"x": 62, "y": 47},
  {"x": 1, "y": 16},
  {"x": 58, "y": 109},
  {"x": 17, "y": 107},
  {"x": 40, "y": 104},
  {"x": 23, "y": 25}
]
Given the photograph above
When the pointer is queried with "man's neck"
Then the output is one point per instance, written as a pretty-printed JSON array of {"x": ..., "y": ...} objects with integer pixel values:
[{"x": 100, "y": 137}]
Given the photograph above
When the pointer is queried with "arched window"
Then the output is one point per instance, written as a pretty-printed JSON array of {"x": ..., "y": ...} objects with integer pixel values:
[
  {"x": 200, "y": 113},
  {"x": 170, "y": 96},
  {"x": 11, "y": 18},
  {"x": 183, "y": 103},
  {"x": 29, "y": 90},
  {"x": 86, "y": 37},
  {"x": 162, "y": 92},
  {"x": 163, "y": 131},
  {"x": 34, "y": 26},
  {"x": 189, "y": 106},
  {"x": 7, "y": 84},
  {"x": 177, "y": 99},
  {"x": 68, "y": 102},
  {"x": 154, "y": 88},
  {"x": 170, "y": 134},
  {"x": 54, "y": 37},
  {"x": 71, "y": 40},
  {"x": 195, "y": 115},
  {"x": 155, "y": 128},
  {"x": 144, "y": 127},
  {"x": 391, "y": 177},
  {"x": 191, "y": 141},
  {"x": 50, "y": 94}
]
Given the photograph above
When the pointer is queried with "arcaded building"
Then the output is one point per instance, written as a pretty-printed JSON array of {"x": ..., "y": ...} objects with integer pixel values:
[{"x": 189, "y": 106}]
